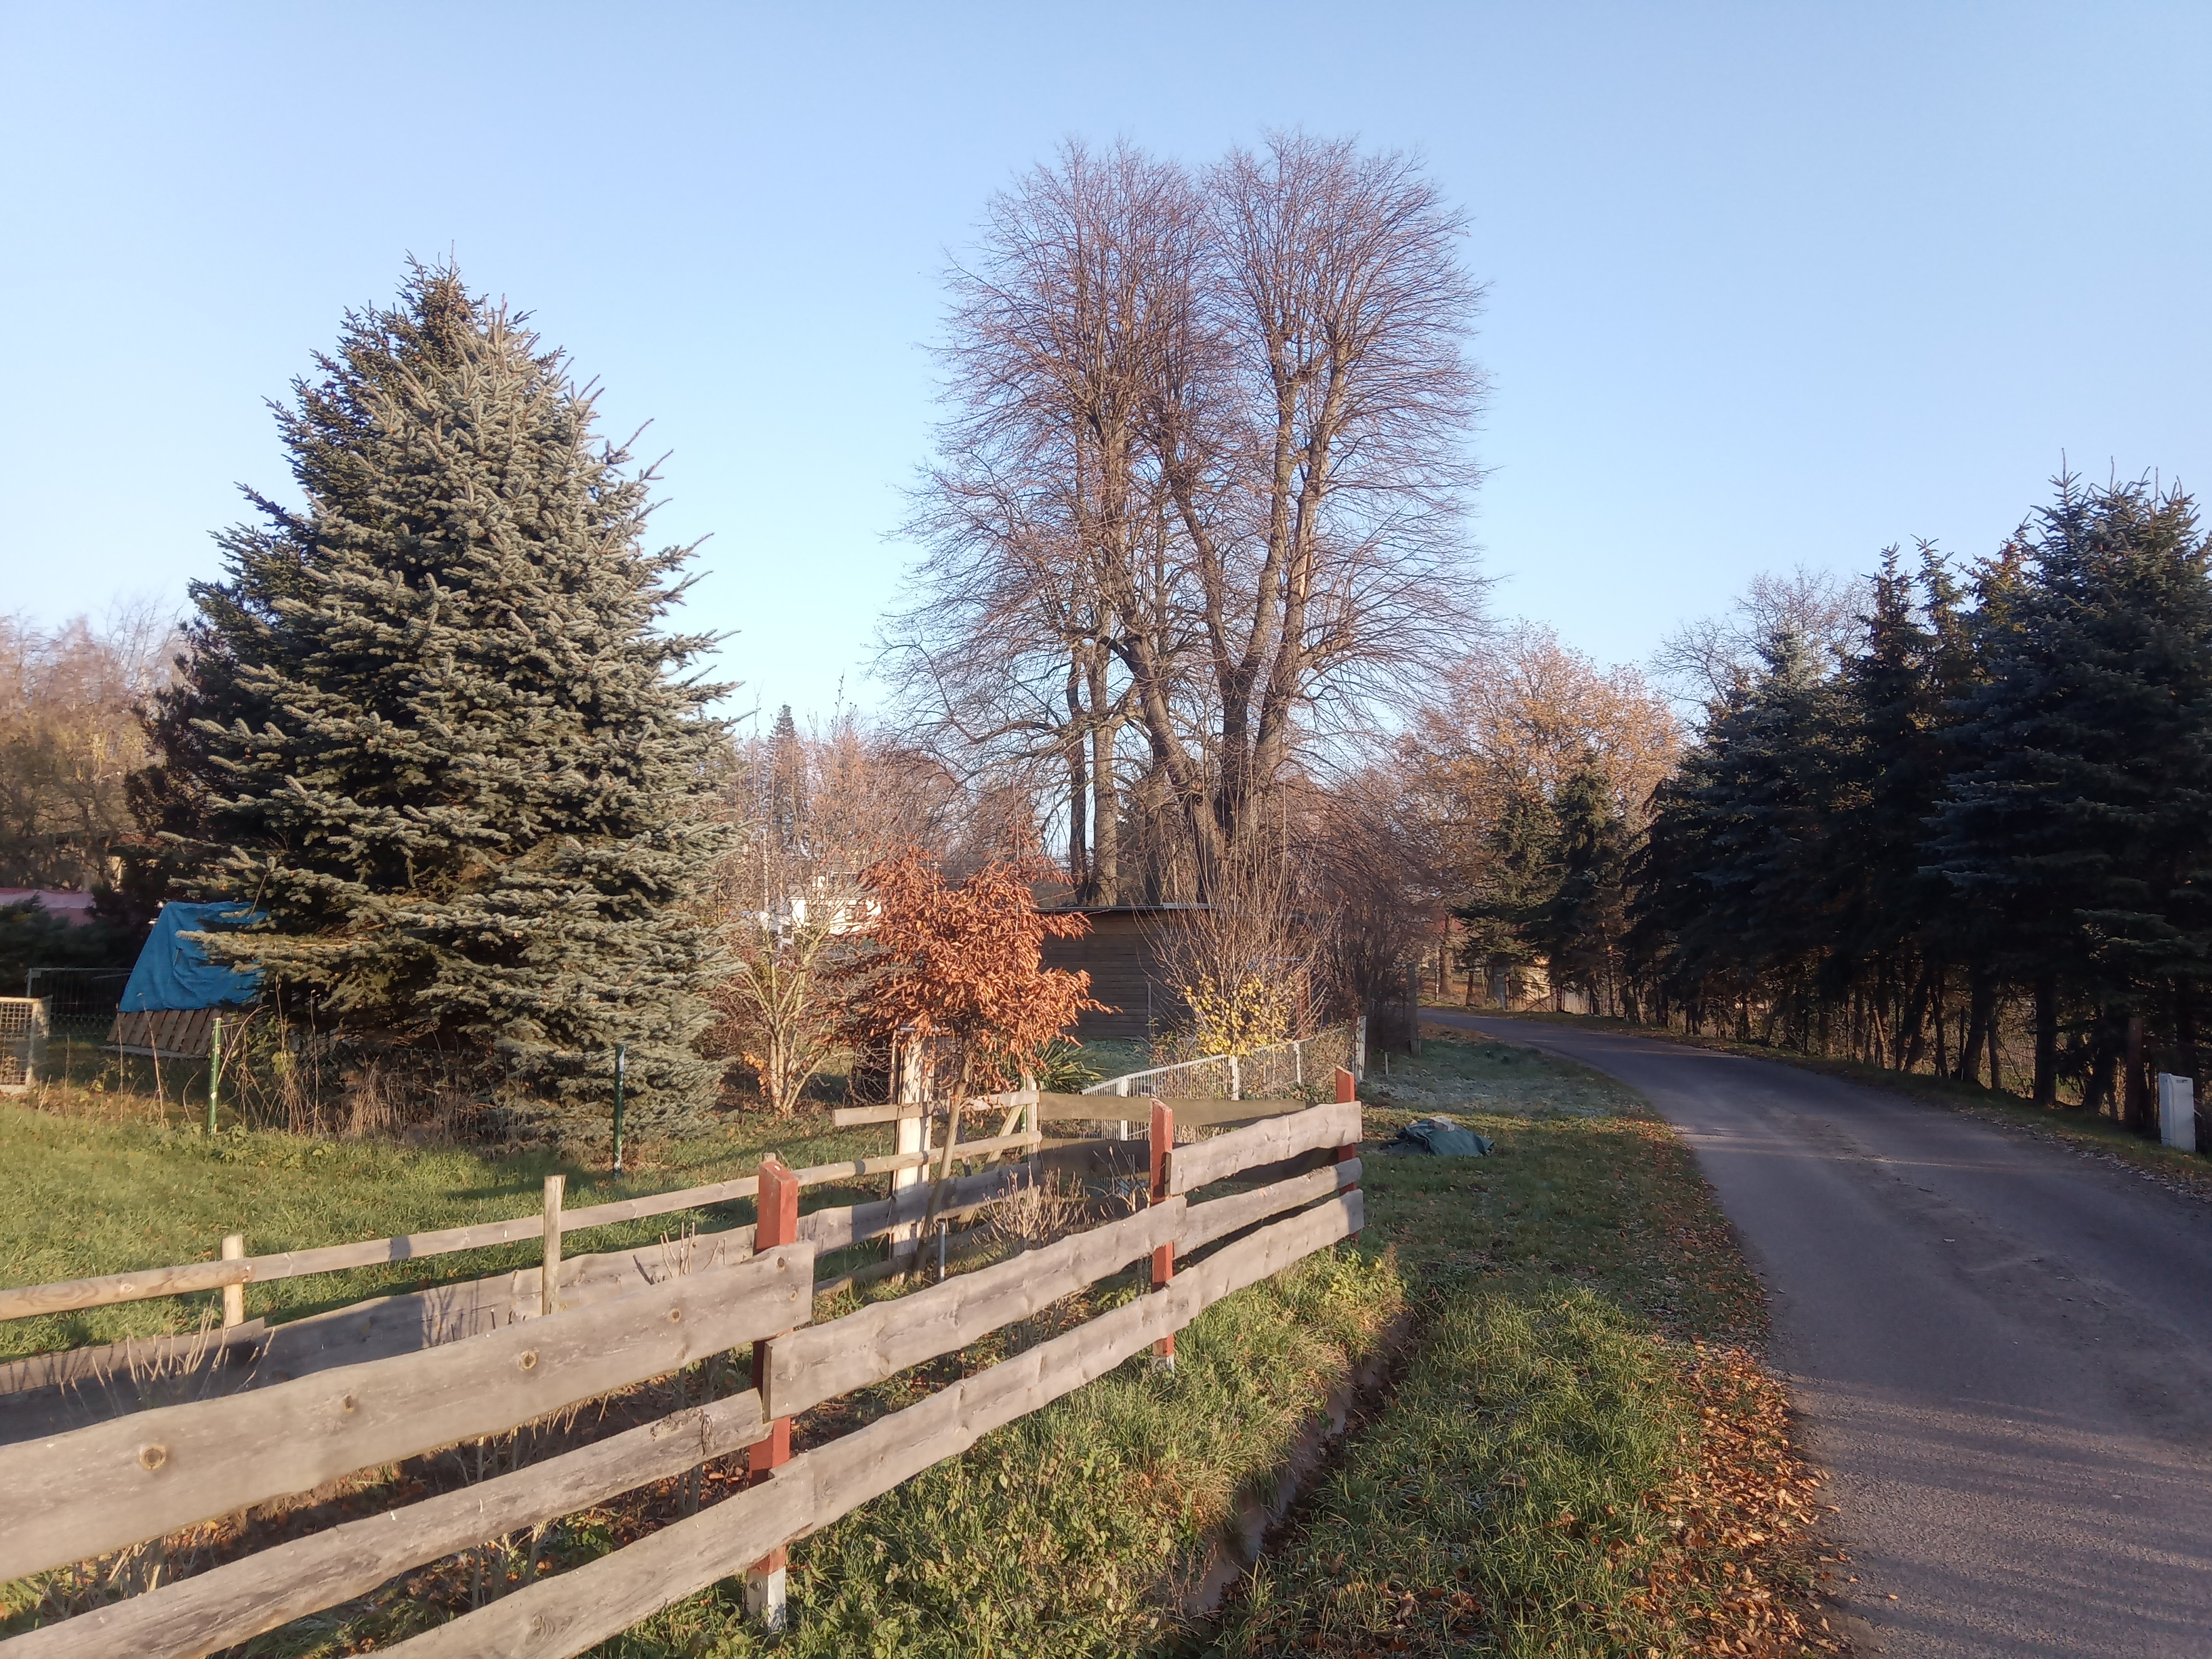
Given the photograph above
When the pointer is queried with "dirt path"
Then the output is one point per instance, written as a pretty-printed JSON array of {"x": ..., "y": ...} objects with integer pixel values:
[{"x": 2003, "y": 1352}]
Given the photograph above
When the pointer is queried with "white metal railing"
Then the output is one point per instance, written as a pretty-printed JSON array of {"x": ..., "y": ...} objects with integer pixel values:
[
  {"x": 1263, "y": 1065},
  {"x": 23, "y": 1023}
]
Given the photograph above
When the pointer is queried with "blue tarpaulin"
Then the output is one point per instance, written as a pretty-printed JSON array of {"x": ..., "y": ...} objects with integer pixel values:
[{"x": 172, "y": 972}]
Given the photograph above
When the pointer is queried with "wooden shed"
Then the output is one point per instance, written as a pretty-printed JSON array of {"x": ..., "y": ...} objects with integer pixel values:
[{"x": 1121, "y": 954}]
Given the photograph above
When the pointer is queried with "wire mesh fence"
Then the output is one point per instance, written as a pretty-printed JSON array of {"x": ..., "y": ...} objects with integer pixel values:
[
  {"x": 23, "y": 1028},
  {"x": 83, "y": 1001},
  {"x": 1304, "y": 1068}
]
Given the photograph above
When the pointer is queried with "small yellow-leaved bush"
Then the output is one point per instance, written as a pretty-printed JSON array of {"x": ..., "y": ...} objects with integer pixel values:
[{"x": 1237, "y": 1018}]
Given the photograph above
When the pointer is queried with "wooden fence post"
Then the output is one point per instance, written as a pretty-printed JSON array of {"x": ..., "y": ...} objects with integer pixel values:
[
  {"x": 1347, "y": 1090},
  {"x": 234, "y": 1296},
  {"x": 777, "y": 1209},
  {"x": 1163, "y": 1257},
  {"x": 910, "y": 1087},
  {"x": 549, "y": 1274}
]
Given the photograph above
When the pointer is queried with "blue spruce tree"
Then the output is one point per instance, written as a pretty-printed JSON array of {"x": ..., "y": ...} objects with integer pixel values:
[{"x": 442, "y": 745}]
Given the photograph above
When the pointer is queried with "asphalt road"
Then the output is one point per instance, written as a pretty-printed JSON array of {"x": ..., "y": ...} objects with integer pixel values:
[{"x": 2002, "y": 1353}]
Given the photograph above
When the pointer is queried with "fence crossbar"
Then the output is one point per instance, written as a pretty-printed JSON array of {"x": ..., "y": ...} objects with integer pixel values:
[{"x": 77, "y": 1495}]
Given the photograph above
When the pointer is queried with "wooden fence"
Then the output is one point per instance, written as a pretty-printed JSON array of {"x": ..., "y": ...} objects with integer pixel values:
[{"x": 88, "y": 1491}]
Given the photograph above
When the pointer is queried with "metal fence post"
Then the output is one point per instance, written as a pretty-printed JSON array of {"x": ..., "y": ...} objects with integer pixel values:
[
  {"x": 214, "y": 1067},
  {"x": 622, "y": 1056}
]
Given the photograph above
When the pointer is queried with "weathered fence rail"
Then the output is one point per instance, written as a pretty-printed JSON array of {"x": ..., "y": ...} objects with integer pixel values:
[
  {"x": 79, "y": 1494},
  {"x": 68, "y": 1296}
]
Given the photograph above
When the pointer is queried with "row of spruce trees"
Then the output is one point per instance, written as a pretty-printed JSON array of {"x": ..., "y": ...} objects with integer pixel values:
[
  {"x": 1996, "y": 802},
  {"x": 428, "y": 730}
]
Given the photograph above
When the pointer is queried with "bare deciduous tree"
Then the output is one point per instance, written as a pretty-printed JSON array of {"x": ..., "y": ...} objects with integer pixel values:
[
  {"x": 1513, "y": 719},
  {"x": 1200, "y": 478},
  {"x": 1705, "y": 659},
  {"x": 70, "y": 736}
]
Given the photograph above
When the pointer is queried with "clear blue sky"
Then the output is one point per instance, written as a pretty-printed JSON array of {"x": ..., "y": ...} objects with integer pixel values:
[{"x": 1769, "y": 284}]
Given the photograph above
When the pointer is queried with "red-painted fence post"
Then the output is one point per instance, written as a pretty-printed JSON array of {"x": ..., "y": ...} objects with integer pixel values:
[
  {"x": 1163, "y": 1140},
  {"x": 777, "y": 1207},
  {"x": 1347, "y": 1090}
]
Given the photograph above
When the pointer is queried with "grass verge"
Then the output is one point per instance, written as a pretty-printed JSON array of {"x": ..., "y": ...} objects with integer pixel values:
[
  {"x": 2069, "y": 1126},
  {"x": 1584, "y": 1455}
]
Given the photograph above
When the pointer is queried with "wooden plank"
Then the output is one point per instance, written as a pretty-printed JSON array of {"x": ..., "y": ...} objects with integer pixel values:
[
  {"x": 76, "y": 1495},
  {"x": 1204, "y": 1223},
  {"x": 833, "y": 1230},
  {"x": 823, "y": 1361},
  {"x": 1203, "y": 1162},
  {"x": 635, "y": 1209},
  {"x": 1271, "y": 1249},
  {"x": 993, "y": 1145},
  {"x": 848, "y": 1117},
  {"x": 79, "y": 1385},
  {"x": 566, "y": 1615},
  {"x": 1320, "y": 1157},
  {"x": 853, "y": 1117},
  {"x": 963, "y": 1243},
  {"x": 241, "y": 1599},
  {"x": 69, "y": 1295},
  {"x": 848, "y": 1472},
  {"x": 1191, "y": 1112},
  {"x": 1091, "y": 1159}
]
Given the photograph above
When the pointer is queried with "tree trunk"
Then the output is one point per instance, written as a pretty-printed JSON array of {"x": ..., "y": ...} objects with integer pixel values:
[
  {"x": 2098, "y": 1089},
  {"x": 1912, "y": 1033},
  {"x": 2046, "y": 1040},
  {"x": 1105, "y": 795},
  {"x": 2135, "y": 1099},
  {"x": 1981, "y": 1027}
]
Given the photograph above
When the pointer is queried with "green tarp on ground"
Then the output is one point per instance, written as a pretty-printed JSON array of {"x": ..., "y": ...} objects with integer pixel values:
[{"x": 1438, "y": 1137}]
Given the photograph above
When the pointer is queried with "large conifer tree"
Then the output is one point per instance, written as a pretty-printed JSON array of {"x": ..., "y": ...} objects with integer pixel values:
[
  {"x": 445, "y": 749},
  {"x": 2086, "y": 820}
]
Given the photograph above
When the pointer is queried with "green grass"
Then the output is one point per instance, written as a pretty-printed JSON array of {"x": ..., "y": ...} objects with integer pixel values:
[
  {"x": 1587, "y": 1185},
  {"x": 1512, "y": 1495},
  {"x": 89, "y": 1197},
  {"x": 1072, "y": 1531},
  {"x": 1559, "y": 1287}
]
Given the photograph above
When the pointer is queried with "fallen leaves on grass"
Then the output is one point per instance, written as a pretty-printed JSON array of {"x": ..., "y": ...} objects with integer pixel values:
[{"x": 1739, "y": 1577}]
